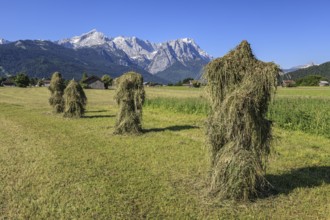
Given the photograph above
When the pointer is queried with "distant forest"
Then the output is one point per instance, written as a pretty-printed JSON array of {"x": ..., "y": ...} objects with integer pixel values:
[{"x": 321, "y": 70}]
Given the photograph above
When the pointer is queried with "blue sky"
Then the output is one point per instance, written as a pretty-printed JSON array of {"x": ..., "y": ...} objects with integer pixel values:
[{"x": 288, "y": 32}]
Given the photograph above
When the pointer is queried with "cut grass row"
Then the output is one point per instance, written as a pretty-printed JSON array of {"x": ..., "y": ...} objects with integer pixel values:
[{"x": 57, "y": 168}]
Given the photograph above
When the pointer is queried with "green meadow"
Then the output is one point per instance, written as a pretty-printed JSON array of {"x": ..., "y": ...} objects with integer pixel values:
[{"x": 57, "y": 168}]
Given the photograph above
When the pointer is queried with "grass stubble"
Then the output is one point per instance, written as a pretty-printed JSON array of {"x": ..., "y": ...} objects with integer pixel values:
[{"x": 84, "y": 171}]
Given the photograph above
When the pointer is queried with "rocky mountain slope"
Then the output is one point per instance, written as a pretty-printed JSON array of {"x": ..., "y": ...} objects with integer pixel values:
[
  {"x": 96, "y": 53},
  {"x": 42, "y": 58},
  {"x": 3, "y": 41},
  {"x": 172, "y": 57}
]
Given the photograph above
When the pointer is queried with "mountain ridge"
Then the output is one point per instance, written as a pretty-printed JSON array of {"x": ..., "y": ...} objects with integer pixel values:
[
  {"x": 320, "y": 69},
  {"x": 168, "y": 61},
  {"x": 304, "y": 66},
  {"x": 152, "y": 57},
  {"x": 3, "y": 41},
  {"x": 42, "y": 58}
]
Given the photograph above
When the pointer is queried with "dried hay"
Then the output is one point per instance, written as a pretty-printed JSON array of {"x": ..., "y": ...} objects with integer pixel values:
[
  {"x": 75, "y": 100},
  {"x": 56, "y": 88},
  {"x": 130, "y": 97},
  {"x": 239, "y": 88}
]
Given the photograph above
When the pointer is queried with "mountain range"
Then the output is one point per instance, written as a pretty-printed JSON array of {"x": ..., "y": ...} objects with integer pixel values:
[
  {"x": 97, "y": 54},
  {"x": 292, "y": 69},
  {"x": 321, "y": 69},
  {"x": 3, "y": 41}
]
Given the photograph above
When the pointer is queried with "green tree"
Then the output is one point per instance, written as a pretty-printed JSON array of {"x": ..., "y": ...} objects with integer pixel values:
[
  {"x": 2, "y": 79},
  {"x": 75, "y": 100},
  {"x": 310, "y": 80},
  {"x": 22, "y": 80},
  {"x": 239, "y": 88},
  {"x": 178, "y": 83},
  {"x": 40, "y": 83},
  {"x": 130, "y": 97},
  {"x": 187, "y": 80},
  {"x": 107, "y": 80},
  {"x": 33, "y": 81},
  {"x": 83, "y": 78},
  {"x": 56, "y": 89}
]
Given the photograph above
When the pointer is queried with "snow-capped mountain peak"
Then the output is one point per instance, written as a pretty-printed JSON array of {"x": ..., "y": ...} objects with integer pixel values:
[
  {"x": 89, "y": 39},
  {"x": 304, "y": 66},
  {"x": 187, "y": 47},
  {"x": 3, "y": 41},
  {"x": 187, "y": 40},
  {"x": 183, "y": 50},
  {"x": 150, "y": 56},
  {"x": 134, "y": 47}
]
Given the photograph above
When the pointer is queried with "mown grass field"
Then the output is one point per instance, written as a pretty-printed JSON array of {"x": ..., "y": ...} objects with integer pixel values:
[{"x": 57, "y": 168}]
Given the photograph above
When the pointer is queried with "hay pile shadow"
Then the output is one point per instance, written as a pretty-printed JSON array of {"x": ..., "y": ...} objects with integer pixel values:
[
  {"x": 170, "y": 128},
  {"x": 306, "y": 177},
  {"x": 98, "y": 116},
  {"x": 96, "y": 111},
  {"x": 239, "y": 89}
]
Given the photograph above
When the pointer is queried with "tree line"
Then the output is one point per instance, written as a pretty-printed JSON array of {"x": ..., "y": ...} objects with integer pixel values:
[
  {"x": 23, "y": 80},
  {"x": 311, "y": 80}
]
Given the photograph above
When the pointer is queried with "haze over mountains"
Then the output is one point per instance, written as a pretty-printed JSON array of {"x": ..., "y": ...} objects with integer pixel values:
[{"x": 98, "y": 54}]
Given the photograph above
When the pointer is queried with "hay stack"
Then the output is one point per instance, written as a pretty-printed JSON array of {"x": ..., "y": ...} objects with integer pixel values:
[
  {"x": 75, "y": 100},
  {"x": 239, "y": 88},
  {"x": 56, "y": 89},
  {"x": 130, "y": 97}
]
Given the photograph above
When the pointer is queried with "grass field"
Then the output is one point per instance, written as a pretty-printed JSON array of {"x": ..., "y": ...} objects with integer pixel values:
[{"x": 57, "y": 168}]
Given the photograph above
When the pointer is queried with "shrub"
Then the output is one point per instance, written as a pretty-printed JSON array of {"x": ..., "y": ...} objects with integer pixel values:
[
  {"x": 107, "y": 80},
  {"x": 83, "y": 78},
  {"x": 239, "y": 89},
  {"x": 178, "y": 83},
  {"x": 2, "y": 79},
  {"x": 187, "y": 80},
  {"x": 130, "y": 97},
  {"x": 40, "y": 83},
  {"x": 22, "y": 80}
]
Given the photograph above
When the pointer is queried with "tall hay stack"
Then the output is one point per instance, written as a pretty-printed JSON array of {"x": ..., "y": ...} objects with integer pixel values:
[
  {"x": 130, "y": 97},
  {"x": 239, "y": 88},
  {"x": 75, "y": 100},
  {"x": 56, "y": 89}
]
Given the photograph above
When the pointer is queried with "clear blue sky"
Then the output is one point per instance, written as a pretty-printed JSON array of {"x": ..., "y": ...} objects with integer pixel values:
[{"x": 288, "y": 32}]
